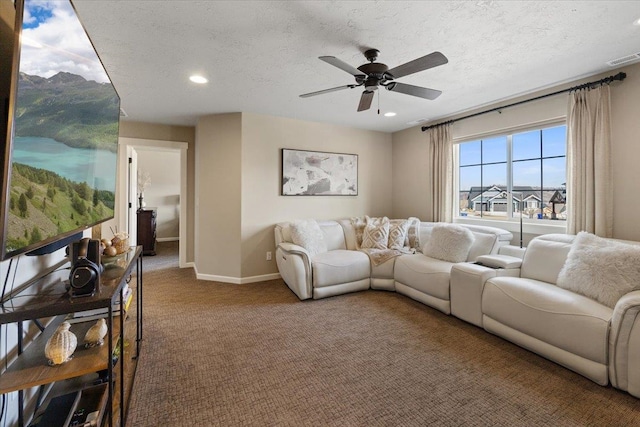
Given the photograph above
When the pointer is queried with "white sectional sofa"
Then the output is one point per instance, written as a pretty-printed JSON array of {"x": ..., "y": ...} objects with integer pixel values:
[
  {"x": 572, "y": 299},
  {"x": 427, "y": 279},
  {"x": 342, "y": 268},
  {"x": 338, "y": 270}
]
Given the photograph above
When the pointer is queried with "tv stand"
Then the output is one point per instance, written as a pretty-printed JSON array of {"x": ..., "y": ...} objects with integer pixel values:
[{"x": 117, "y": 357}]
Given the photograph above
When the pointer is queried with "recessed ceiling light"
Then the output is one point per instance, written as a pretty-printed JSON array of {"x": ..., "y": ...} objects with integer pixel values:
[
  {"x": 389, "y": 114},
  {"x": 637, "y": 22},
  {"x": 198, "y": 79}
]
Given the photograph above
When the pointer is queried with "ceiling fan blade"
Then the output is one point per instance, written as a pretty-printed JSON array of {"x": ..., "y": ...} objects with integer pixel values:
[
  {"x": 342, "y": 65},
  {"x": 365, "y": 100},
  {"x": 421, "y": 92},
  {"x": 429, "y": 61},
  {"x": 333, "y": 89}
]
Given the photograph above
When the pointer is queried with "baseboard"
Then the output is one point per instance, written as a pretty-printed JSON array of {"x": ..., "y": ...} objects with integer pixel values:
[
  {"x": 167, "y": 239},
  {"x": 236, "y": 280},
  {"x": 261, "y": 278}
]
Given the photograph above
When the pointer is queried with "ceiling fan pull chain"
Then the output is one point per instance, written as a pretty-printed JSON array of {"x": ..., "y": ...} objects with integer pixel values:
[{"x": 378, "y": 102}]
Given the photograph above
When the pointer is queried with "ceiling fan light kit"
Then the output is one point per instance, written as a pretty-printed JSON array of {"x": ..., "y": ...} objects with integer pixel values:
[{"x": 375, "y": 74}]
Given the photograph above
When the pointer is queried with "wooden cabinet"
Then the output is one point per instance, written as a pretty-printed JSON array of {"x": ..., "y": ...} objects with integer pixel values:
[
  {"x": 112, "y": 365},
  {"x": 147, "y": 230}
]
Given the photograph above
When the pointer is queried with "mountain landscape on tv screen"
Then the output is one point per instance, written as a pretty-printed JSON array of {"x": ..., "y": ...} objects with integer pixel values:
[{"x": 69, "y": 109}]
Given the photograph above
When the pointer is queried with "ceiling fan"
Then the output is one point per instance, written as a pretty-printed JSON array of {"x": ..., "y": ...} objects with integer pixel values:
[{"x": 376, "y": 74}]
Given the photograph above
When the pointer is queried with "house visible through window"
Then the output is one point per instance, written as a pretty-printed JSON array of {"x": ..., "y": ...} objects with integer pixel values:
[{"x": 519, "y": 174}]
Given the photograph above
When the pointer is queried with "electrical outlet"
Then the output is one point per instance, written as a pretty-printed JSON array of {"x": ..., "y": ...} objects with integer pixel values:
[{"x": 268, "y": 256}]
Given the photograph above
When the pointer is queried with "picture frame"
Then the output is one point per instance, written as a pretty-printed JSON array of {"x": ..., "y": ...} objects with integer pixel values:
[{"x": 318, "y": 173}]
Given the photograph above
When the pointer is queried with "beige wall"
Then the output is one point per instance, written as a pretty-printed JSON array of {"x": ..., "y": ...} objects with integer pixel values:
[
  {"x": 410, "y": 174},
  {"x": 158, "y": 131},
  {"x": 262, "y": 205},
  {"x": 7, "y": 36},
  {"x": 171, "y": 133},
  {"x": 7, "y": 43},
  {"x": 625, "y": 155},
  {"x": 409, "y": 147},
  {"x": 218, "y": 196}
]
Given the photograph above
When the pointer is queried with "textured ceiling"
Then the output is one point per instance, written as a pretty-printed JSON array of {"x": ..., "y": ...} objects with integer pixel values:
[{"x": 260, "y": 55}]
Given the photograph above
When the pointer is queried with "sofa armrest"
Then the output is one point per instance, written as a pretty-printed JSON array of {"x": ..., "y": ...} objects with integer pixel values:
[
  {"x": 624, "y": 344},
  {"x": 466, "y": 286},
  {"x": 499, "y": 261},
  {"x": 511, "y": 250},
  {"x": 294, "y": 265},
  {"x": 293, "y": 248}
]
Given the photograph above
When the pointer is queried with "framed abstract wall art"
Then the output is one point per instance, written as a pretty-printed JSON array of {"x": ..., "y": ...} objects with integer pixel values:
[{"x": 315, "y": 173}]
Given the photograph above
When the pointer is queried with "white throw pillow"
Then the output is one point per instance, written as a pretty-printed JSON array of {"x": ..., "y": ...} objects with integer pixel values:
[
  {"x": 307, "y": 233},
  {"x": 601, "y": 269},
  {"x": 398, "y": 229},
  {"x": 449, "y": 242},
  {"x": 376, "y": 233}
]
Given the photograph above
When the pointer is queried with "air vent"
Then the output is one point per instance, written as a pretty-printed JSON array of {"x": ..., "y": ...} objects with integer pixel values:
[
  {"x": 623, "y": 60},
  {"x": 123, "y": 113},
  {"x": 417, "y": 122}
]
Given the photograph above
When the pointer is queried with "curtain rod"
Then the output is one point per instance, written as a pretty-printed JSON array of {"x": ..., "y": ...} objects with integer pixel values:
[{"x": 620, "y": 76}]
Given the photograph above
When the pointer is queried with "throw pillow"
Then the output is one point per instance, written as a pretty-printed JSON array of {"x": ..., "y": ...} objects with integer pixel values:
[
  {"x": 358, "y": 225},
  {"x": 307, "y": 233},
  {"x": 601, "y": 269},
  {"x": 376, "y": 233},
  {"x": 398, "y": 229},
  {"x": 413, "y": 234},
  {"x": 449, "y": 242}
]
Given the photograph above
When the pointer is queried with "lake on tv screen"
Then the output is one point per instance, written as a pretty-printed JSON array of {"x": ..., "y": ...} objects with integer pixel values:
[
  {"x": 56, "y": 188},
  {"x": 93, "y": 166}
]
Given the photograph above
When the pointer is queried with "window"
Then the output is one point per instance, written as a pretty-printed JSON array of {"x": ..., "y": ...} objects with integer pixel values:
[{"x": 515, "y": 175}]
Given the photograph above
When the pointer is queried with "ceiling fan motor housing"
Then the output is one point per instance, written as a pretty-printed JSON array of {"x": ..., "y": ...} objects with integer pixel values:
[
  {"x": 376, "y": 74},
  {"x": 374, "y": 69}
]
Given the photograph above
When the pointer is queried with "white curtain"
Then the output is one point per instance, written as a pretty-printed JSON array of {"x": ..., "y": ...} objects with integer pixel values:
[
  {"x": 441, "y": 161},
  {"x": 589, "y": 180}
]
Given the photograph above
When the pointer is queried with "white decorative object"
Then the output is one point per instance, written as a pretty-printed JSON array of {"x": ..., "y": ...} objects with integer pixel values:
[
  {"x": 144, "y": 180},
  {"x": 95, "y": 335},
  {"x": 601, "y": 269},
  {"x": 307, "y": 233},
  {"x": 61, "y": 345},
  {"x": 449, "y": 242}
]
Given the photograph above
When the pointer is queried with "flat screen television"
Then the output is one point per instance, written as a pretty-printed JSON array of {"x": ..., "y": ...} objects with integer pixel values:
[{"x": 63, "y": 112}]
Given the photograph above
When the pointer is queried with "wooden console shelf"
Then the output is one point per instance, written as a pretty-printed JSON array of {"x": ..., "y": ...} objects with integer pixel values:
[
  {"x": 48, "y": 298},
  {"x": 31, "y": 368}
]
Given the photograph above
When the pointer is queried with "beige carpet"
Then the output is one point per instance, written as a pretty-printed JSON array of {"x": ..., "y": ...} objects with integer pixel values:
[{"x": 254, "y": 355}]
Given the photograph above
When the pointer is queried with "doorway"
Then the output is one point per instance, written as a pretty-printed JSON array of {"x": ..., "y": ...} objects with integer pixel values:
[{"x": 130, "y": 151}]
